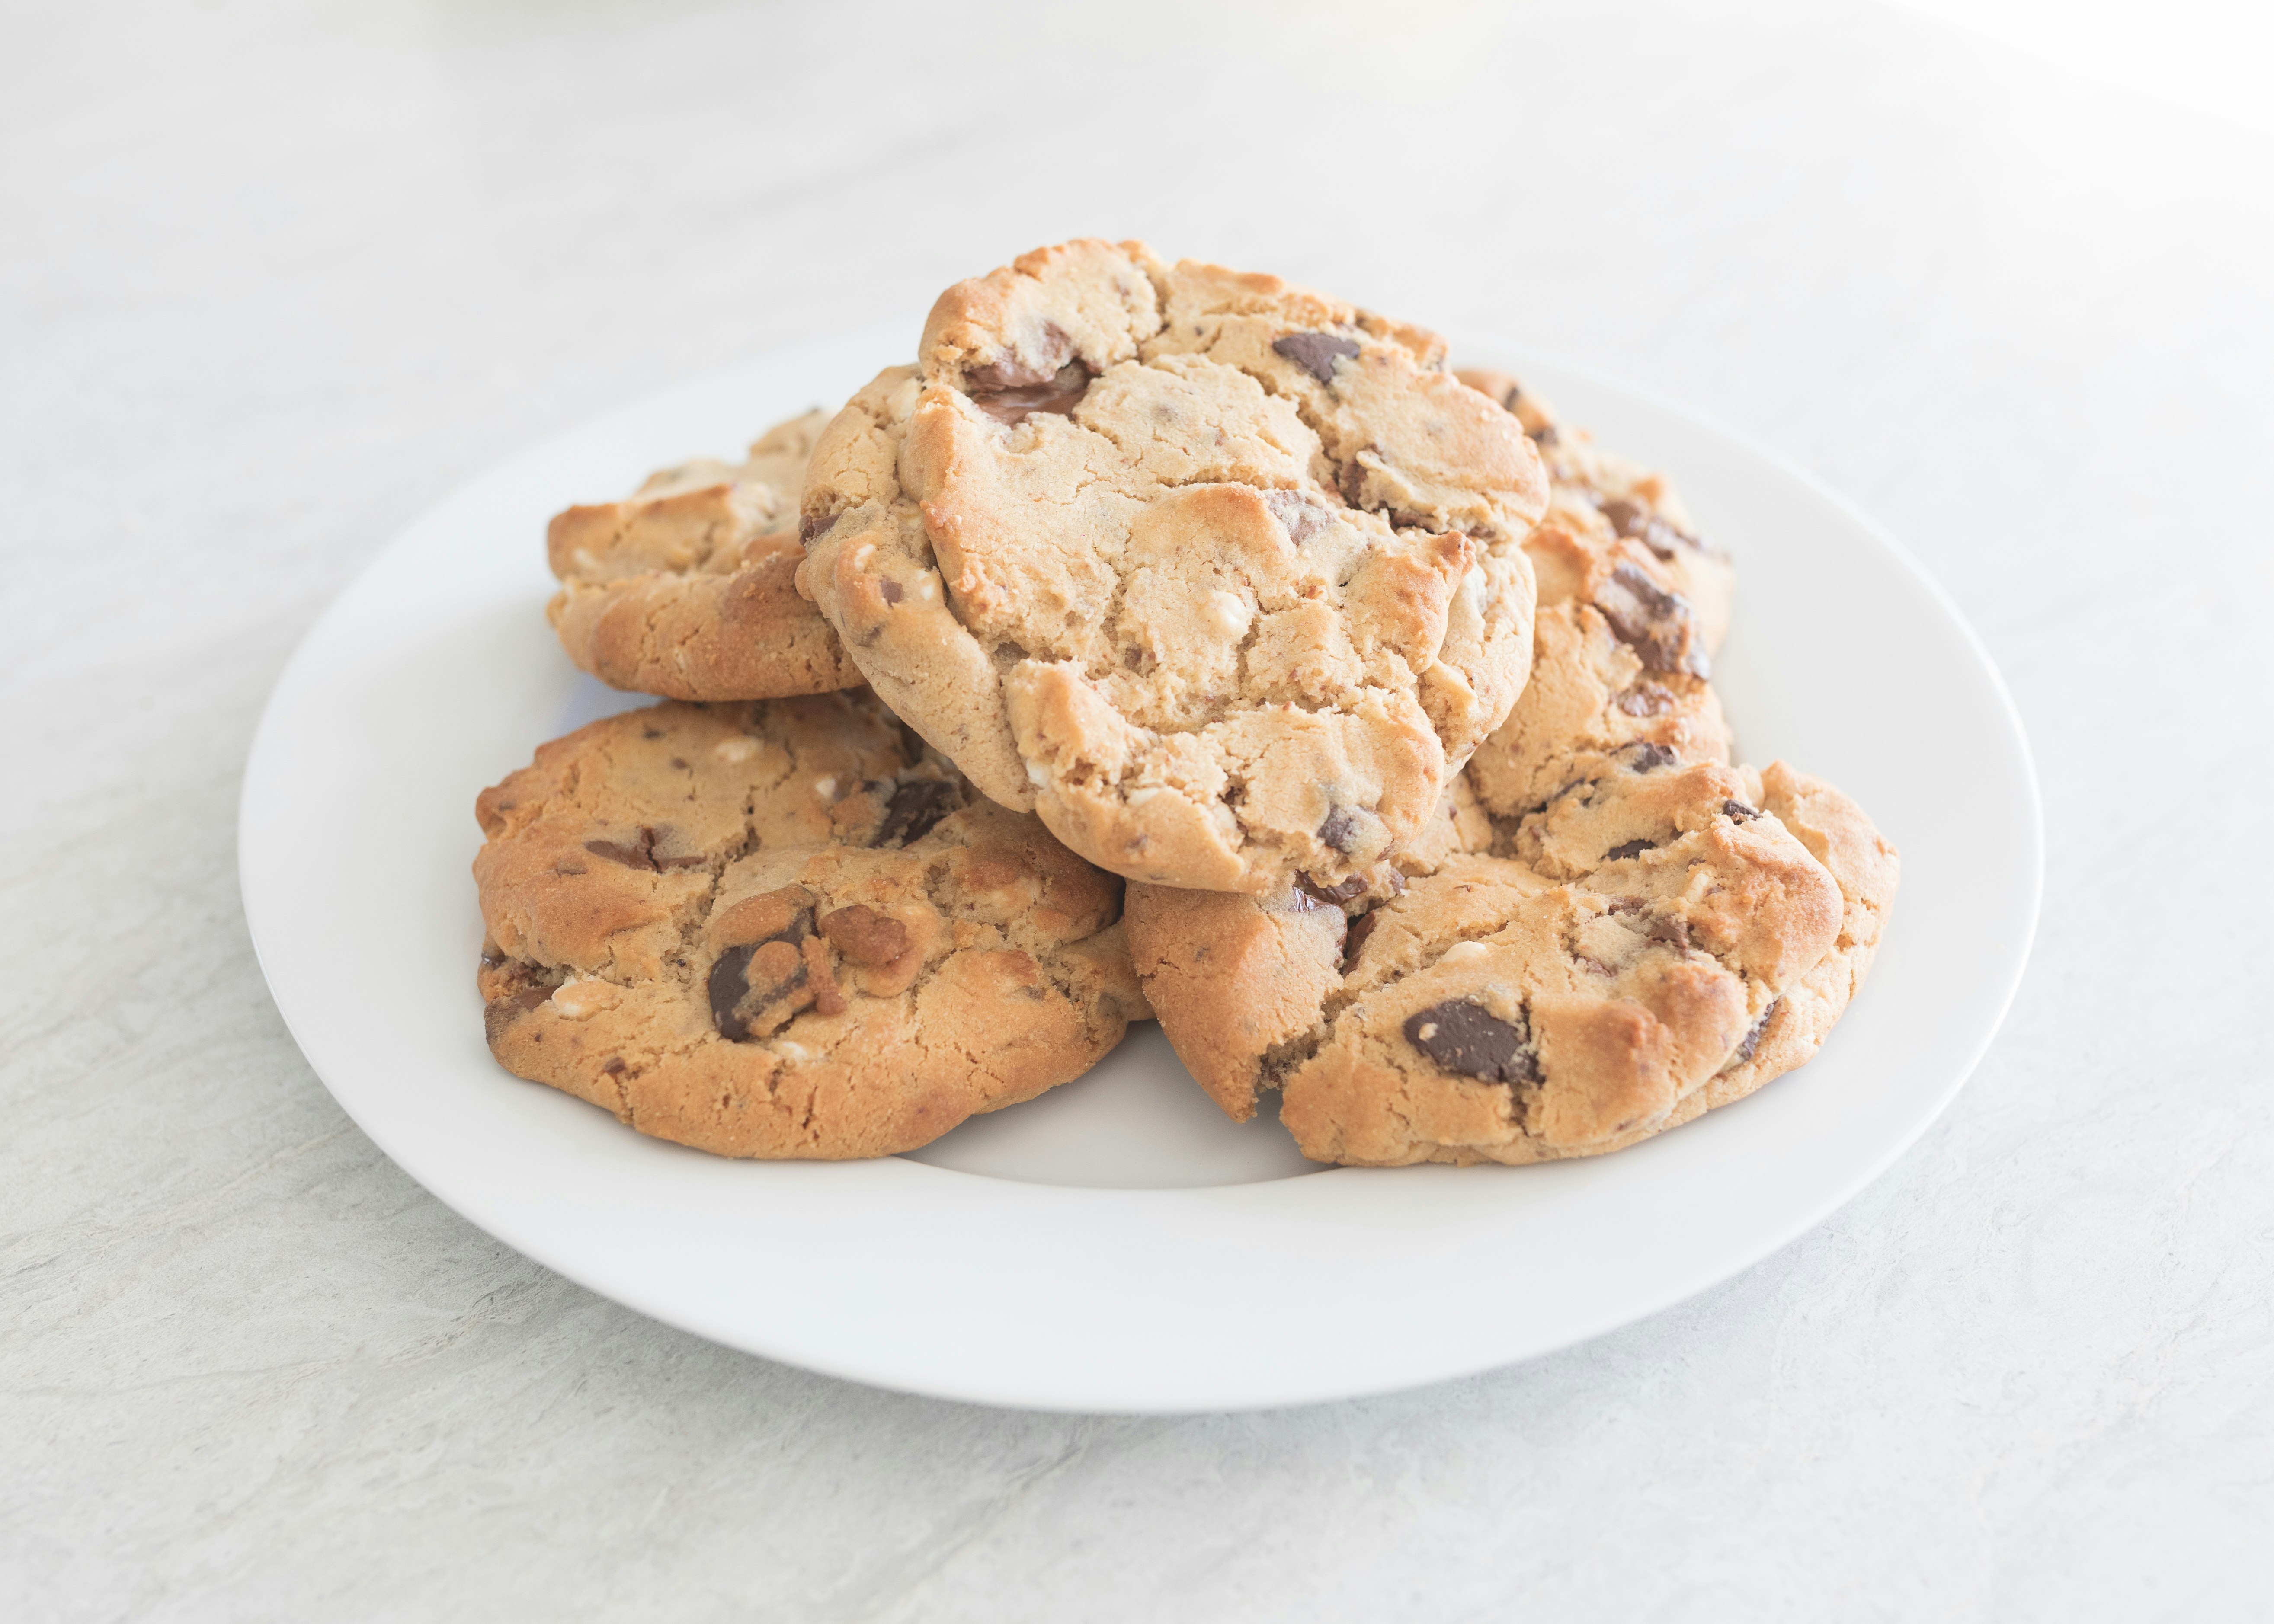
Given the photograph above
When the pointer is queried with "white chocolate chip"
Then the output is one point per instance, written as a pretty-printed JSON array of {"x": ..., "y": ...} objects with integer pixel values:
[
  {"x": 1037, "y": 774},
  {"x": 1229, "y": 613},
  {"x": 580, "y": 997},
  {"x": 1472, "y": 591},
  {"x": 738, "y": 749},
  {"x": 824, "y": 787},
  {"x": 862, "y": 553},
  {"x": 1462, "y": 952}
]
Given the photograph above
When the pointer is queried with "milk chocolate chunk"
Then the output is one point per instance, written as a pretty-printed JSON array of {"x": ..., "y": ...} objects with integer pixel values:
[
  {"x": 1334, "y": 896},
  {"x": 1640, "y": 523},
  {"x": 1013, "y": 403},
  {"x": 1340, "y": 830},
  {"x": 1655, "y": 623},
  {"x": 1461, "y": 1037},
  {"x": 1316, "y": 353},
  {"x": 913, "y": 809}
]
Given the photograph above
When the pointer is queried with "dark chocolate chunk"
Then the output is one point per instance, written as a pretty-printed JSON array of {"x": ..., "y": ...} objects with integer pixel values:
[
  {"x": 1644, "y": 757},
  {"x": 1655, "y": 623},
  {"x": 1627, "y": 848},
  {"x": 1740, "y": 811},
  {"x": 813, "y": 525},
  {"x": 729, "y": 985},
  {"x": 1341, "y": 829},
  {"x": 913, "y": 809},
  {"x": 1316, "y": 353},
  {"x": 1361, "y": 928},
  {"x": 1012, "y": 404},
  {"x": 1462, "y": 1038},
  {"x": 892, "y": 592},
  {"x": 782, "y": 971}
]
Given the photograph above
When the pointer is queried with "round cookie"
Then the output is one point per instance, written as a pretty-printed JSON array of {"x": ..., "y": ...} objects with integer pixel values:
[
  {"x": 1223, "y": 578},
  {"x": 687, "y": 589},
  {"x": 1614, "y": 970},
  {"x": 1632, "y": 608},
  {"x": 786, "y": 929}
]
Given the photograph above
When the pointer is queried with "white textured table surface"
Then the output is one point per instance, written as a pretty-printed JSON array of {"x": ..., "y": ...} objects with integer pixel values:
[{"x": 275, "y": 284}]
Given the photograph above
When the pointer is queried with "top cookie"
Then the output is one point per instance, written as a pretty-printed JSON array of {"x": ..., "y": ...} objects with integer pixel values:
[
  {"x": 687, "y": 588},
  {"x": 1223, "y": 578}
]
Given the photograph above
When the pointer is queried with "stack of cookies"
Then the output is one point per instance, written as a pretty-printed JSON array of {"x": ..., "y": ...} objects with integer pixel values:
[{"x": 1166, "y": 641}]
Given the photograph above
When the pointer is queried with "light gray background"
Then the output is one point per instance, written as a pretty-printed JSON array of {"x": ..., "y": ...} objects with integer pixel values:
[{"x": 275, "y": 281}]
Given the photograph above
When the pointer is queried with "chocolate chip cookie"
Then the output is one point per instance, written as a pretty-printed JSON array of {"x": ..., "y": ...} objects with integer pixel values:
[
  {"x": 1633, "y": 606},
  {"x": 687, "y": 588},
  {"x": 1561, "y": 984},
  {"x": 1223, "y": 578},
  {"x": 786, "y": 929}
]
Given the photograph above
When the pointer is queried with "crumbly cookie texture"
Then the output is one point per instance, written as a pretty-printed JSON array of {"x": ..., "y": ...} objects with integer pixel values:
[
  {"x": 687, "y": 589},
  {"x": 1562, "y": 984},
  {"x": 786, "y": 929},
  {"x": 1223, "y": 578},
  {"x": 1632, "y": 607}
]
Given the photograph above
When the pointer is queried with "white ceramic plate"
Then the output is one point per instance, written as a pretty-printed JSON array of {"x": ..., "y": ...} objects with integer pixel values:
[{"x": 1115, "y": 1245}]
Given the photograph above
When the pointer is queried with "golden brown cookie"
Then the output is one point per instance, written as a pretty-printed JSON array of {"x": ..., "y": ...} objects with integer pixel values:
[
  {"x": 786, "y": 929},
  {"x": 1564, "y": 984},
  {"x": 687, "y": 589},
  {"x": 1222, "y": 577}
]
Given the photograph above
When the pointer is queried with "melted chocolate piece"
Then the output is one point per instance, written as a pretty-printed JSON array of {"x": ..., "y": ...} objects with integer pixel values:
[
  {"x": 891, "y": 590},
  {"x": 1644, "y": 757},
  {"x": 1350, "y": 479},
  {"x": 1335, "y": 895},
  {"x": 1740, "y": 811},
  {"x": 643, "y": 854},
  {"x": 1655, "y": 623},
  {"x": 1361, "y": 928},
  {"x": 1316, "y": 353},
  {"x": 913, "y": 809},
  {"x": 498, "y": 1016},
  {"x": 1341, "y": 829},
  {"x": 1638, "y": 523},
  {"x": 729, "y": 985},
  {"x": 614, "y": 1068},
  {"x": 1462, "y": 1038},
  {"x": 1671, "y": 932},
  {"x": 1627, "y": 848},
  {"x": 815, "y": 524},
  {"x": 1013, "y": 403}
]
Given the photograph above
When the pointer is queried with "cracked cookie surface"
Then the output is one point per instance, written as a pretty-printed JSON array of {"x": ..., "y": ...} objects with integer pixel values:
[
  {"x": 687, "y": 589},
  {"x": 1223, "y": 578},
  {"x": 1656, "y": 941},
  {"x": 1632, "y": 608},
  {"x": 786, "y": 929}
]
